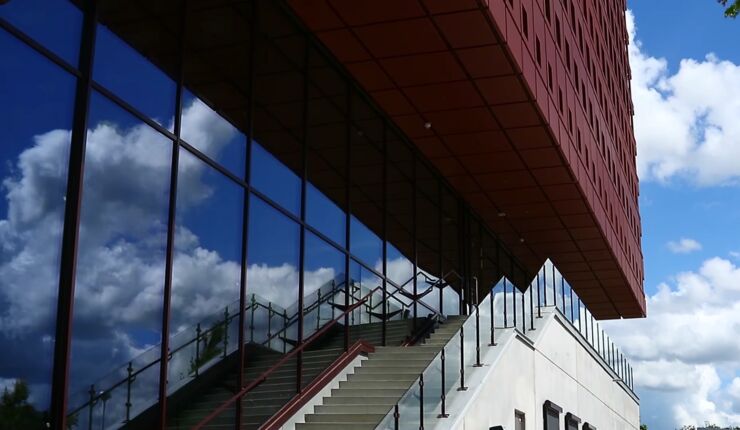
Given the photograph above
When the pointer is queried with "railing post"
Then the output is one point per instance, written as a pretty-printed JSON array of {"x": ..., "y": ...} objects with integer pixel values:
[
  {"x": 226, "y": 330},
  {"x": 554, "y": 288},
  {"x": 544, "y": 283},
  {"x": 251, "y": 320},
  {"x": 91, "y": 402},
  {"x": 285, "y": 330},
  {"x": 571, "y": 303},
  {"x": 197, "y": 348},
  {"x": 129, "y": 382},
  {"x": 318, "y": 308},
  {"x": 396, "y": 416},
  {"x": 421, "y": 401},
  {"x": 539, "y": 301},
  {"x": 477, "y": 326},
  {"x": 562, "y": 292},
  {"x": 524, "y": 313},
  {"x": 443, "y": 397},
  {"x": 506, "y": 317},
  {"x": 462, "y": 361},
  {"x": 531, "y": 308},
  {"x": 493, "y": 318}
]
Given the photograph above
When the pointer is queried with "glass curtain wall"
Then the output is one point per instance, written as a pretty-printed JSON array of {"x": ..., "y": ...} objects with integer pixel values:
[{"x": 235, "y": 189}]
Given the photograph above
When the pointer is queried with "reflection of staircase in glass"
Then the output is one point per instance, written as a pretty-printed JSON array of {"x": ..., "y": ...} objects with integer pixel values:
[{"x": 202, "y": 353}]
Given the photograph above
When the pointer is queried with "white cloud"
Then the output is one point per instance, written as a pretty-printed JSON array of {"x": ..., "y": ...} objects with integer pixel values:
[
  {"x": 685, "y": 122},
  {"x": 683, "y": 246},
  {"x": 686, "y": 353}
]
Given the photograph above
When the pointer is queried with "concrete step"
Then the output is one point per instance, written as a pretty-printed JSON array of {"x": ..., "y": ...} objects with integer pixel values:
[
  {"x": 374, "y": 384},
  {"x": 336, "y": 426},
  {"x": 353, "y": 409},
  {"x": 368, "y": 392},
  {"x": 344, "y": 418}
]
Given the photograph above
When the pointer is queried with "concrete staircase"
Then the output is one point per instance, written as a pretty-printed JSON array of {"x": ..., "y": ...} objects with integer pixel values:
[
  {"x": 361, "y": 402},
  {"x": 265, "y": 400}
]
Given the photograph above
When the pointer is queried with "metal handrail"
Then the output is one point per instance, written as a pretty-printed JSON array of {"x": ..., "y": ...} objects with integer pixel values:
[{"x": 264, "y": 376}]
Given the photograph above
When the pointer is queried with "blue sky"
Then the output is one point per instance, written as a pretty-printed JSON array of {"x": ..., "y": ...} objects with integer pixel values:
[{"x": 677, "y": 31}]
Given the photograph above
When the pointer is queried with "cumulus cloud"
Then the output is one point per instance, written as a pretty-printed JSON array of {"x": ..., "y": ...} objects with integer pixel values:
[
  {"x": 683, "y": 246},
  {"x": 686, "y": 353},
  {"x": 119, "y": 290},
  {"x": 685, "y": 122}
]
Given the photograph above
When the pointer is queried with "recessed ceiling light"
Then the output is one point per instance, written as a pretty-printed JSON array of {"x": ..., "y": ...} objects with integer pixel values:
[
  {"x": 502, "y": 214},
  {"x": 427, "y": 125}
]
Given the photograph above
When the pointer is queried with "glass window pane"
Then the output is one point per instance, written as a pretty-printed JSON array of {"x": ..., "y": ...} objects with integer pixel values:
[
  {"x": 323, "y": 283},
  {"x": 213, "y": 135},
  {"x": 56, "y": 25},
  {"x": 366, "y": 245},
  {"x": 272, "y": 276},
  {"x": 275, "y": 180},
  {"x": 217, "y": 77},
  {"x": 207, "y": 270},
  {"x": 324, "y": 215},
  {"x": 279, "y": 95},
  {"x": 141, "y": 83},
  {"x": 35, "y": 123},
  {"x": 121, "y": 261}
]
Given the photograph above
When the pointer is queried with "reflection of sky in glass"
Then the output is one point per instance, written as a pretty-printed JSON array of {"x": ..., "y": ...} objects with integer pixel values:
[
  {"x": 365, "y": 244},
  {"x": 275, "y": 180},
  {"x": 120, "y": 272},
  {"x": 56, "y": 24},
  {"x": 324, "y": 215},
  {"x": 34, "y": 145},
  {"x": 140, "y": 83},
  {"x": 224, "y": 144}
]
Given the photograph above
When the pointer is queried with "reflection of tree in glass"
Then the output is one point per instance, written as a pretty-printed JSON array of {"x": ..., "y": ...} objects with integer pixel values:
[
  {"x": 15, "y": 411},
  {"x": 212, "y": 342}
]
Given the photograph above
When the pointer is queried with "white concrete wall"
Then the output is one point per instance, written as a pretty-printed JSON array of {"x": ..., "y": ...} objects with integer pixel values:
[{"x": 551, "y": 363}]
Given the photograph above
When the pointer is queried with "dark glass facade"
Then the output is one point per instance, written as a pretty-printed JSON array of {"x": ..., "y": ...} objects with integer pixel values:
[{"x": 178, "y": 180}]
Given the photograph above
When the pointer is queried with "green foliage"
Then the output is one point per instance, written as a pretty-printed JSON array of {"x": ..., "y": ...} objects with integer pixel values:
[
  {"x": 15, "y": 411},
  {"x": 733, "y": 9},
  {"x": 643, "y": 427},
  {"x": 211, "y": 344}
]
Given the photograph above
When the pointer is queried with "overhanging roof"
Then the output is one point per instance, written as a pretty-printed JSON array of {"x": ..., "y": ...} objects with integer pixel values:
[{"x": 446, "y": 75}]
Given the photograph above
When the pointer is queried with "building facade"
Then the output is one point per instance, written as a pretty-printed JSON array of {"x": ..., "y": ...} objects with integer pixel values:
[{"x": 182, "y": 179}]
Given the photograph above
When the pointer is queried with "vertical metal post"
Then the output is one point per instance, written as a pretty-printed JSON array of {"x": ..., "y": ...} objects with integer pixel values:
[
  {"x": 544, "y": 283},
  {"x": 251, "y": 319},
  {"x": 531, "y": 308},
  {"x": 421, "y": 401},
  {"x": 524, "y": 312},
  {"x": 396, "y": 416},
  {"x": 506, "y": 317},
  {"x": 539, "y": 302},
  {"x": 385, "y": 234},
  {"x": 477, "y": 325},
  {"x": 243, "y": 287},
  {"x": 443, "y": 413},
  {"x": 302, "y": 250},
  {"x": 226, "y": 331},
  {"x": 571, "y": 305},
  {"x": 579, "y": 315},
  {"x": 91, "y": 403},
  {"x": 72, "y": 215},
  {"x": 462, "y": 361},
  {"x": 197, "y": 348},
  {"x": 554, "y": 288},
  {"x": 493, "y": 317},
  {"x": 129, "y": 383},
  {"x": 562, "y": 292},
  {"x": 347, "y": 214},
  {"x": 318, "y": 309}
]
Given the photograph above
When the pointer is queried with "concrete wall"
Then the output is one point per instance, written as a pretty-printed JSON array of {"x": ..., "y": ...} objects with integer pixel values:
[{"x": 550, "y": 363}]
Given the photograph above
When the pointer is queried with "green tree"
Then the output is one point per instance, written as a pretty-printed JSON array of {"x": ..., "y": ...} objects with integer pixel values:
[
  {"x": 733, "y": 9},
  {"x": 15, "y": 411},
  {"x": 643, "y": 427}
]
